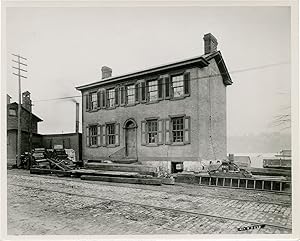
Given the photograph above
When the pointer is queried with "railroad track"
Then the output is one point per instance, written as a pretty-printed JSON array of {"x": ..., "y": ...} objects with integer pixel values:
[
  {"x": 173, "y": 210},
  {"x": 164, "y": 190}
]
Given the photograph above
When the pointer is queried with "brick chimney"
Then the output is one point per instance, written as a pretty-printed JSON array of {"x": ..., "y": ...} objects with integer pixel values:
[
  {"x": 26, "y": 101},
  {"x": 210, "y": 43},
  {"x": 106, "y": 72}
]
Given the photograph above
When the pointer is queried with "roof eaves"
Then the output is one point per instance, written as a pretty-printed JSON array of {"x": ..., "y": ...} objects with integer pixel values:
[
  {"x": 35, "y": 116},
  {"x": 221, "y": 64},
  {"x": 135, "y": 74}
]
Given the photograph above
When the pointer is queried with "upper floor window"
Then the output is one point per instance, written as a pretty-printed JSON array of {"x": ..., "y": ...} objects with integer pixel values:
[
  {"x": 111, "y": 98},
  {"x": 12, "y": 112},
  {"x": 152, "y": 131},
  {"x": 152, "y": 90},
  {"x": 111, "y": 134},
  {"x": 177, "y": 85},
  {"x": 130, "y": 94},
  {"x": 94, "y": 103}
]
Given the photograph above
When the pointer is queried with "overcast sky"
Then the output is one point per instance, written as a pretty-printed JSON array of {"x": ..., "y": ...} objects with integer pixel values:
[{"x": 66, "y": 47}]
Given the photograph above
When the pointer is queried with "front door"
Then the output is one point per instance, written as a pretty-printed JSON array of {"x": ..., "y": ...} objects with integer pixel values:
[{"x": 130, "y": 135}]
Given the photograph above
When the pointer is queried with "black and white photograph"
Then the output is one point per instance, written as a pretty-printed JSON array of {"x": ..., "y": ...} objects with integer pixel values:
[{"x": 150, "y": 119}]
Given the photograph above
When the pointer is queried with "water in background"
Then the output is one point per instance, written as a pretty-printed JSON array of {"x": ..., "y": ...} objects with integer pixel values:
[{"x": 257, "y": 158}]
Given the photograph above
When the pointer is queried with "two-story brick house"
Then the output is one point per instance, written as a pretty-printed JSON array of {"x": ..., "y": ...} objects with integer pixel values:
[
  {"x": 29, "y": 123},
  {"x": 163, "y": 116}
]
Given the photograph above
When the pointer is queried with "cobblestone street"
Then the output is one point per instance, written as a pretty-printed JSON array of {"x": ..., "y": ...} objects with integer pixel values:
[{"x": 51, "y": 205}]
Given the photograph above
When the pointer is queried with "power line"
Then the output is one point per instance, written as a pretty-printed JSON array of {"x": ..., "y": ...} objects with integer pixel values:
[{"x": 198, "y": 78}]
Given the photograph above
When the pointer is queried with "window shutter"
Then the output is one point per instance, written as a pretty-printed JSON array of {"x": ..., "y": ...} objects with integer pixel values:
[
  {"x": 167, "y": 87},
  {"x": 137, "y": 97},
  {"x": 126, "y": 94},
  {"x": 99, "y": 135},
  {"x": 117, "y": 134},
  {"x": 143, "y": 91},
  {"x": 87, "y": 102},
  {"x": 103, "y": 99},
  {"x": 167, "y": 132},
  {"x": 143, "y": 131},
  {"x": 187, "y": 130},
  {"x": 160, "y": 132},
  {"x": 122, "y": 95},
  {"x": 103, "y": 133},
  {"x": 87, "y": 136},
  {"x": 147, "y": 91},
  {"x": 98, "y": 99},
  {"x": 160, "y": 89},
  {"x": 117, "y": 96},
  {"x": 186, "y": 83}
]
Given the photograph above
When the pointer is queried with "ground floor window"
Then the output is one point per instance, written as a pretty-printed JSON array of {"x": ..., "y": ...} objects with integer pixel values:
[
  {"x": 177, "y": 129},
  {"x": 93, "y": 135},
  {"x": 111, "y": 134},
  {"x": 152, "y": 131}
]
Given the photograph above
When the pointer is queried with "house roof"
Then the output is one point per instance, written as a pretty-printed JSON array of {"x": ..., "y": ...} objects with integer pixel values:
[
  {"x": 200, "y": 61},
  {"x": 15, "y": 104}
]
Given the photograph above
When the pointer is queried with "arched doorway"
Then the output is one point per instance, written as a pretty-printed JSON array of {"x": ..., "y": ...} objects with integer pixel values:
[{"x": 130, "y": 127}]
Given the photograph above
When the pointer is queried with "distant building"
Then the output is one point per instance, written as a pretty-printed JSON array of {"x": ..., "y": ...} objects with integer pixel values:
[
  {"x": 170, "y": 115},
  {"x": 67, "y": 141}
]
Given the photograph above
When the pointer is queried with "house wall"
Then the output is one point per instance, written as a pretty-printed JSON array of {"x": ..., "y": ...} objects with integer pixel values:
[
  {"x": 208, "y": 95},
  {"x": 11, "y": 142},
  {"x": 25, "y": 146},
  {"x": 139, "y": 112},
  {"x": 12, "y": 121},
  {"x": 212, "y": 105}
]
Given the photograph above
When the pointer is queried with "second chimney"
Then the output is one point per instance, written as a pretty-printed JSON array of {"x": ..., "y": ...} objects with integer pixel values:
[
  {"x": 210, "y": 43},
  {"x": 26, "y": 101},
  {"x": 106, "y": 72}
]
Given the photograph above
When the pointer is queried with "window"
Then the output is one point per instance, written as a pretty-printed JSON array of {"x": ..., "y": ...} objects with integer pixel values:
[
  {"x": 177, "y": 129},
  {"x": 111, "y": 134},
  {"x": 152, "y": 90},
  {"x": 177, "y": 85},
  {"x": 130, "y": 94},
  {"x": 111, "y": 98},
  {"x": 152, "y": 131},
  {"x": 93, "y": 135},
  {"x": 94, "y": 102},
  {"x": 12, "y": 112}
]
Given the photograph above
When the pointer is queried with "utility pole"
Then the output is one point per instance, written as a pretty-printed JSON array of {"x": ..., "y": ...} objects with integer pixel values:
[{"x": 19, "y": 67}]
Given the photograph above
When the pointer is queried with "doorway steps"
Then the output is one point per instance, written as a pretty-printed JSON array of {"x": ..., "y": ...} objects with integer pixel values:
[
  {"x": 120, "y": 167},
  {"x": 125, "y": 160},
  {"x": 118, "y": 173},
  {"x": 120, "y": 179}
]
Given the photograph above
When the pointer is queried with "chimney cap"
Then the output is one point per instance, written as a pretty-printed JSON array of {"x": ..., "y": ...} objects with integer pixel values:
[
  {"x": 210, "y": 36},
  {"x": 210, "y": 43},
  {"x": 106, "y": 72}
]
